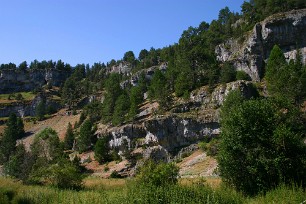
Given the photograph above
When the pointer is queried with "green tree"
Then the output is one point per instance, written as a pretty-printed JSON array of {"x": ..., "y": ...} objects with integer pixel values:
[
  {"x": 286, "y": 81},
  {"x": 23, "y": 66},
  {"x": 86, "y": 136},
  {"x": 46, "y": 145},
  {"x": 136, "y": 97},
  {"x": 69, "y": 137},
  {"x": 143, "y": 54},
  {"x": 13, "y": 131},
  {"x": 261, "y": 145},
  {"x": 102, "y": 150},
  {"x": 159, "y": 89},
  {"x": 63, "y": 174},
  {"x": 129, "y": 57},
  {"x": 113, "y": 91},
  {"x": 20, "y": 163},
  {"x": 40, "y": 110},
  {"x": 122, "y": 106}
]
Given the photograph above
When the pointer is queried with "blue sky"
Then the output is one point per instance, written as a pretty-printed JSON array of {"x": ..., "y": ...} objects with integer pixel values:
[{"x": 88, "y": 31}]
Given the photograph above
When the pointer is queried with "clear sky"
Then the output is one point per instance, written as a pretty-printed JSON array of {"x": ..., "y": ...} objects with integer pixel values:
[{"x": 88, "y": 31}]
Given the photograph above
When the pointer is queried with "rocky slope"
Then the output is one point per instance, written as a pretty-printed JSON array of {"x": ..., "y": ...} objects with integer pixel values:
[
  {"x": 28, "y": 108},
  {"x": 250, "y": 52},
  {"x": 164, "y": 137},
  {"x": 12, "y": 81}
]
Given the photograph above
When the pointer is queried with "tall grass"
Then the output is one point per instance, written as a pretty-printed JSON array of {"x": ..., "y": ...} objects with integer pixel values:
[{"x": 122, "y": 191}]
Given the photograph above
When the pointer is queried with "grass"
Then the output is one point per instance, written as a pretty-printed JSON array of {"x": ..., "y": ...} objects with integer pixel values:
[
  {"x": 27, "y": 96},
  {"x": 114, "y": 191}
]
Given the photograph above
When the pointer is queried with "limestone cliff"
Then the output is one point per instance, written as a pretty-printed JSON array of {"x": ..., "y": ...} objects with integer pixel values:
[
  {"x": 27, "y": 80},
  {"x": 250, "y": 52},
  {"x": 163, "y": 136}
]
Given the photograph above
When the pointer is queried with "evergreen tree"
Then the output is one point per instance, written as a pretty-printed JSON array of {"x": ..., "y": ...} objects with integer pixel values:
[
  {"x": 113, "y": 91},
  {"x": 121, "y": 109},
  {"x": 102, "y": 150},
  {"x": 69, "y": 137},
  {"x": 286, "y": 81},
  {"x": 85, "y": 138},
  {"x": 159, "y": 90},
  {"x": 19, "y": 164},
  {"x": 14, "y": 130},
  {"x": 40, "y": 110}
]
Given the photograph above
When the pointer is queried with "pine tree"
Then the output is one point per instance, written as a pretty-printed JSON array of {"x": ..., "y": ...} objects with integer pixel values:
[
  {"x": 69, "y": 137},
  {"x": 84, "y": 140},
  {"x": 14, "y": 130},
  {"x": 102, "y": 150}
]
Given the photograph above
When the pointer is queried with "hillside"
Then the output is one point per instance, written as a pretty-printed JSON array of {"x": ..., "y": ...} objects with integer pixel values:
[{"x": 228, "y": 101}]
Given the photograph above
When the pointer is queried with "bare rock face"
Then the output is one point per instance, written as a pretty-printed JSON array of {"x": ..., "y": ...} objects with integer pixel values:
[
  {"x": 250, "y": 52},
  {"x": 19, "y": 80}
]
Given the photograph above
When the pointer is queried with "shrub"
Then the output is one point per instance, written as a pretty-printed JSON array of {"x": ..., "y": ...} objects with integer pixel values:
[
  {"x": 64, "y": 175},
  {"x": 241, "y": 75},
  {"x": 115, "y": 174},
  {"x": 158, "y": 174}
]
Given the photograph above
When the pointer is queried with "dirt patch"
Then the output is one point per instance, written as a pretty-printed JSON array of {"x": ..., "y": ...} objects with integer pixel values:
[
  {"x": 59, "y": 122},
  {"x": 197, "y": 164}
]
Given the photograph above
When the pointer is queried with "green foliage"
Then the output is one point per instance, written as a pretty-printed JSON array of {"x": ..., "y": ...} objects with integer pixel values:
[
  {"x": 122, "y": 106},
  {"x": 14, "y": 130},
  {"x": 286, "y": 81},
  {"x": 159, "y": 89},
  {"x": 115, "y": 174},
  {"x": 129, "y": 57},
  {"x": 241, "y": 75},
  {"x": 40, "y": 110},
  {"x": 69, "y": 137},
  {"x": 158, "y": 174},
  {"x": 86, "y": 136},
  {"x": 113, "y": 91},
  {"x": 261, "y": 145},
  {"x": 228, "y": 73},
  {"x": 211, "y": 147},
  {"x": 63, "y": 174},
  {"x": 19, "y": 164},
  {"x": 46, "y": 145},
  {"x": 102, "y": 150},
  {"x": 256, "y": 10},
  {"x": 19, "y": 97}
]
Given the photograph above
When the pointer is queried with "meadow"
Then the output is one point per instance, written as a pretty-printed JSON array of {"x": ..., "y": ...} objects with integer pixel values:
[{"x": 97, "y": 190}]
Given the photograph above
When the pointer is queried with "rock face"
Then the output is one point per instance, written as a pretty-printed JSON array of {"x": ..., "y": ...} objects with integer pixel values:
[
  {"x": 163, "y": 137},
  {"x": 23, "y": 109},
  {"x": 250, "y": 52},
  {"x": 18, "y": 80}
]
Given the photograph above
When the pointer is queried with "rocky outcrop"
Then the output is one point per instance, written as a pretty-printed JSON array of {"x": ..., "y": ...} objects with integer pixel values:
[
  {"x": 26, "y": 108},
  {"x": 250, "y": 52},
  {"x": 148, "y": 74},
  {"x": 163, "y": 137},
  {"x": 12, "y": 81}
]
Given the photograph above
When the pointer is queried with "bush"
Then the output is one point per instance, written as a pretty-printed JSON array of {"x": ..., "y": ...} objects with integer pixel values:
[
  {"x": 228, "y": 73},
  {"x": 64, "y": 175},
  {"x": 115, "y": 174},
  {"x": 158, "y": 174},
  {"x": 241, "y": 75},
  {"x": 211, "y": 147}
]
